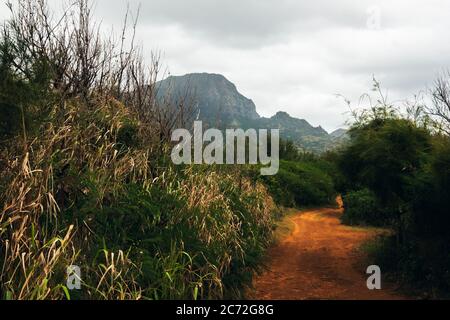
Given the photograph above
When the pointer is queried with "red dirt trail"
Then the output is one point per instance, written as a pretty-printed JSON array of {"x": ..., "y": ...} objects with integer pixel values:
[{"x": 319, "y": 260}]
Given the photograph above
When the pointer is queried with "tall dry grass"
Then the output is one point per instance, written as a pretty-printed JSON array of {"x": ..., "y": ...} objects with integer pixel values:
[
  {"x": 42, "y": 233},
  {"x": 91, "y": 184}
]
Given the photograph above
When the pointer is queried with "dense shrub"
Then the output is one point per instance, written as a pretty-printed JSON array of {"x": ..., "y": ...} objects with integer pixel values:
[
  {"x": 363, "y": 208},
  {"x": 301, "y": 183},
  {"x": 397, "y": 176},
  {"x": 421, "y": 264},
  {"x": 385, "y": 155}
]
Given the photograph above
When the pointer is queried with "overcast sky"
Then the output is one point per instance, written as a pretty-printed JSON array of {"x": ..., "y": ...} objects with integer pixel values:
[{"x": 295, "y": 55}]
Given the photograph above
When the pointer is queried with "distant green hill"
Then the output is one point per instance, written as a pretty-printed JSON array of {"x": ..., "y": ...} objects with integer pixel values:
[{"x": 218, "y": 103}]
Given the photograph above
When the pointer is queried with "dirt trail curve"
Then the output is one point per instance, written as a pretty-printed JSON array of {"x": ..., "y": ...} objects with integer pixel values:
[{"x": 318, "y": 260}]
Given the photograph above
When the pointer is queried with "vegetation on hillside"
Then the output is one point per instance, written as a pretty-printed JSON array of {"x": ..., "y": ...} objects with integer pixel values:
[{"x": 304, "y": 179}]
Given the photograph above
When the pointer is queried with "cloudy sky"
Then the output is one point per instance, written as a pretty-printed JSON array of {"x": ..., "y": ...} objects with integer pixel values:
[{"x": 295, "y": 55}]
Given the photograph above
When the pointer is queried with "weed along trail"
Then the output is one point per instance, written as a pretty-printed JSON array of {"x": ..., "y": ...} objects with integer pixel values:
[{"x": 318, "y": 260}]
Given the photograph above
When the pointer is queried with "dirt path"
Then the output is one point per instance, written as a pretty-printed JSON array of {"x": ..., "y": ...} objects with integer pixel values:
[{"x": 318, "y": 260}]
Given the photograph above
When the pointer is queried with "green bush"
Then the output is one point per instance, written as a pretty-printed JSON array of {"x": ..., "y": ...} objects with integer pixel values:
[
  {"x": 385, "y": 155},
  {"x": 301, "y": 184},
  {"x": 363, "y": 208},
  {"x": 397, "y": 176},
  {"x": 424, "y": 265}
]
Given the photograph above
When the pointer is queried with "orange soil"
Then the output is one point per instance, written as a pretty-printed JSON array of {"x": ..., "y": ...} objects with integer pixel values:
[{"x": 319, "y": 260}]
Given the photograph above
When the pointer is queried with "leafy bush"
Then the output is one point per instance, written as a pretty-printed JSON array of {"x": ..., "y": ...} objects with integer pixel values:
[
  {"x": 300, "y": 184},
  {"x": 384, "y": 155},
  {"x": 397, "y": 176},
  {"x": 363, "y": 208},
  {"x": 421, "y": 264}
]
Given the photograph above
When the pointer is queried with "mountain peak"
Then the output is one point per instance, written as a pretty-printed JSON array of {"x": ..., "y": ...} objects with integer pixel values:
[
  {"x": 217, "y": 98},
  {"x": 219, "y": 104},
  {"x": 282, "y": 114},
  {"x": 200, "y": 76}
]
